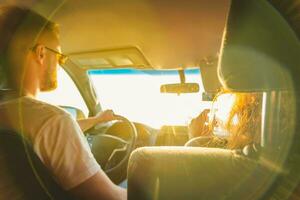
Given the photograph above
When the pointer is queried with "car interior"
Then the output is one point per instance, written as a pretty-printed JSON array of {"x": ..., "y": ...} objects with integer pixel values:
[{"x": 203, "y": 47}]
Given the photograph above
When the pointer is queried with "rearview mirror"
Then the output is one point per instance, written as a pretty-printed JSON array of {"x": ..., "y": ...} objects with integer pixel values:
[{"x": 180, "y": 88}]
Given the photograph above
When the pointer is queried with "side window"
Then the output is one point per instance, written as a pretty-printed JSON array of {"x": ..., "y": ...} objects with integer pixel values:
[{"x": 66, "y": 93}]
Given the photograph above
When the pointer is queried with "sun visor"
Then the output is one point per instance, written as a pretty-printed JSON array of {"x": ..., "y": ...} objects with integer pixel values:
[{"x": 259, "y": 49}]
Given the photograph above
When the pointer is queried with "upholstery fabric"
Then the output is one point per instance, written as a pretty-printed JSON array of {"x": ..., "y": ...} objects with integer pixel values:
[
  {"x": 180, "y": 173},
  {"x": 259, "y": 48},
  {"x": 23, "y": 176}
]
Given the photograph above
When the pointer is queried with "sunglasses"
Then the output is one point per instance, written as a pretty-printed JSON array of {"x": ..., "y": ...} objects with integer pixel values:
[{"x": 60, "y": 57}]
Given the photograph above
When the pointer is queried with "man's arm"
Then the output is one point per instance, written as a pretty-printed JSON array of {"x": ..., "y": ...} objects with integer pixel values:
[
  {"x": 98, "y": 187},
  {"x": 63, "y": 149},
  {"x": 102, "y": 117}
]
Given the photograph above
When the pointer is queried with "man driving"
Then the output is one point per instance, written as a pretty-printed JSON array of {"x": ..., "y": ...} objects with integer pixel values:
[{"x": 30, "y": 55}]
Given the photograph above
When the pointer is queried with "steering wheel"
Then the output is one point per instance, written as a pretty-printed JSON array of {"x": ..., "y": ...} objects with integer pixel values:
[{"x": 112, "y": 152}]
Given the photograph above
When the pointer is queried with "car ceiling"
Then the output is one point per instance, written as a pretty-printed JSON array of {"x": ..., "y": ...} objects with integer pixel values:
[{"x": 170, "y": 33}]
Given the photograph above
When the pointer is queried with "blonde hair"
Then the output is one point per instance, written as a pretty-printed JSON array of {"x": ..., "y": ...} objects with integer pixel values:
[
  {"x": 243, "y": 122},
  {"x": 247, "y": 110}
]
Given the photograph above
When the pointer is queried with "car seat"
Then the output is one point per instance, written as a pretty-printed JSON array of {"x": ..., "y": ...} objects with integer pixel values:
[
  {"x": 23, "y": 175},
  {"x": 260, "y": 53}
]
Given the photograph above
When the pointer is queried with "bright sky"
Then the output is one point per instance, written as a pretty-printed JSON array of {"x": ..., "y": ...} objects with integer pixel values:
[
  {"x": 65, "y": 94},
  {"x": 136, "y": 97}
]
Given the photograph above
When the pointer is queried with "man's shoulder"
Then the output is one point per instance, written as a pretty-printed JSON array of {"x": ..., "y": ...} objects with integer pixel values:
[
  {"x": 36, "y": 117},
  {"x": 42, "y": 107},
  {"x": 34, "y": 107}
]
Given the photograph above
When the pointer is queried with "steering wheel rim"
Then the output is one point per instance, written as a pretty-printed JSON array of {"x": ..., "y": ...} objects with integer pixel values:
[{"x": 130, "y": 146}]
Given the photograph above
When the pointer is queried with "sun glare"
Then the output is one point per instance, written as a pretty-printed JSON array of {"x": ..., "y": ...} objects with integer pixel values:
[
  {"x": 136, "y": 97},
  {"x": 66, "y": 93},
  {"x": 223, "y": 106},
  {"x": 221, "y": 111},
  {"x": 139, "y": 98}
]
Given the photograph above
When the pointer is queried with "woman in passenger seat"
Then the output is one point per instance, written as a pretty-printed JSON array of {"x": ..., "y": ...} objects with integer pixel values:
[{"x": 243, "y": 124}]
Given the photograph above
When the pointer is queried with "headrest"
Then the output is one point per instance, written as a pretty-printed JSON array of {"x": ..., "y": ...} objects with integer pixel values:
[
  {"x": 259, "y": 49},
  {"x": 3, "y": 78}
]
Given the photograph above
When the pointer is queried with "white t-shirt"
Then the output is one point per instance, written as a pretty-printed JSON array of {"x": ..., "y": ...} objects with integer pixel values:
[{"x": 56, "y": 138}]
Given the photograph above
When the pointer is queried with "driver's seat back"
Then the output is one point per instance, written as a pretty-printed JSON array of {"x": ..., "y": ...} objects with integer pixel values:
[{"x": 22, "y": 174}]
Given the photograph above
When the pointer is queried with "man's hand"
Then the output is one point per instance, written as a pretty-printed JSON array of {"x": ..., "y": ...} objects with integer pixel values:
[
  {"x": 102, "y": 117},
  {"x": 199, "y": 125},
  {"x": 105, "y": 116}
]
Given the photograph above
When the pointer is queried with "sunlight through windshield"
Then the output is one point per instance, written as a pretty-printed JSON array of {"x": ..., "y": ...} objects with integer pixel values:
[{"x": 136, "y": 95}]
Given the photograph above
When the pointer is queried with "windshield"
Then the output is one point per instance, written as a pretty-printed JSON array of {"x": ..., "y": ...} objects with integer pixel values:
[{"x": 136, "y": 95}]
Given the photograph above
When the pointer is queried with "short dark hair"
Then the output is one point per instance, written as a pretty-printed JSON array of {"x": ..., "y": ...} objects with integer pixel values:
[
  {"x": 17, "y": 19},
  {"x": 20, "y": 22}
]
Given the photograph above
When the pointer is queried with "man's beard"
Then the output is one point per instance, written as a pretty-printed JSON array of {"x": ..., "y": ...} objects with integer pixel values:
[{"x": 50, "y": 81}]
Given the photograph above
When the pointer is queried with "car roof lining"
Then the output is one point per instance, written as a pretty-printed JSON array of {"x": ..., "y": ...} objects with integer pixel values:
[{"x": 169, "y": 33}]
